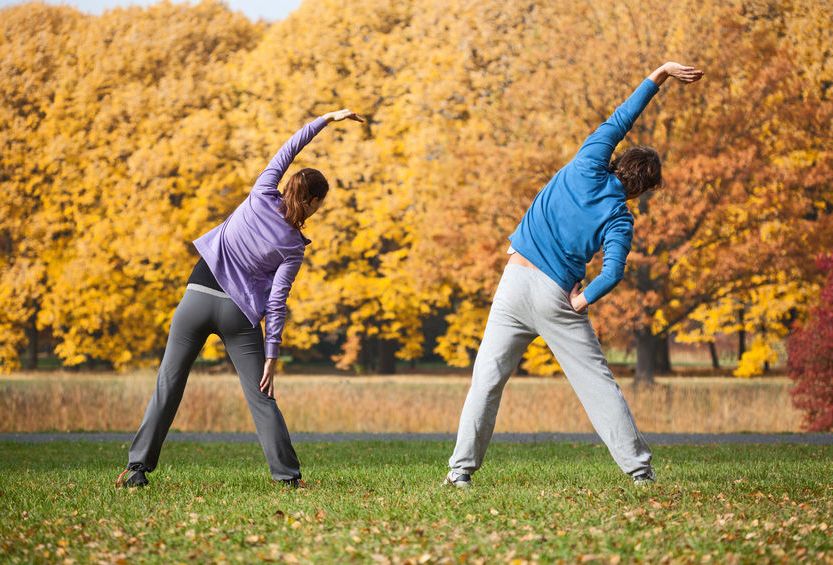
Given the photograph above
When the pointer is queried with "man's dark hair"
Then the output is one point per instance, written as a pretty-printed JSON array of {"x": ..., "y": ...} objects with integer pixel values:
[{"x": 639, "y": 169}]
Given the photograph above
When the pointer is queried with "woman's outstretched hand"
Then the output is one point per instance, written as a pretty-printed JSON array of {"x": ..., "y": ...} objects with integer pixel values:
[
  {"x": 683, "y": 73},
  {"x": 339, "y": 115},
  {"x": 267, "y": 383}
]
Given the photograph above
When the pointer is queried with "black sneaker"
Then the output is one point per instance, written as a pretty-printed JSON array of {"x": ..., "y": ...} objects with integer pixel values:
[
  {"x": 293, "y": 483},
  {"x": 645, "y": 478},
  {"x": 133, "y": 476},
  {"x": 458, "y": 480}
]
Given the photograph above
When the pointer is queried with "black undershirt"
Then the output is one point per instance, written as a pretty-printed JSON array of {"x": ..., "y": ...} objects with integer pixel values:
[{"x": 203, "y": 276}]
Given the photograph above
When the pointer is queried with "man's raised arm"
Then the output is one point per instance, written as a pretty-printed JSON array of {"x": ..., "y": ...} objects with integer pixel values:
[{"x": 601, "y": 143}]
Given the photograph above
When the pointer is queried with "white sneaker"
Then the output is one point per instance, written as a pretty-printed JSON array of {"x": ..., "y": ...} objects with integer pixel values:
[
  {"x": 645, "y": 478},
  {"x": 459, "y": 480}
]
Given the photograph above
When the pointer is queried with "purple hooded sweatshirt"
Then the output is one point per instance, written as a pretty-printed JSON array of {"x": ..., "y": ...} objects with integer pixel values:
[{"x": 255, "y": 254}]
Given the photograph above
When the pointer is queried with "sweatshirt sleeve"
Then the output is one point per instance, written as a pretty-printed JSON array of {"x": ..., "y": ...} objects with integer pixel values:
[
  {"x": 276, "y": 303},
  {"x": 617, "y": 245},
  {"x": 601, "y": 143},
  {"x": 274, "y": 171}
]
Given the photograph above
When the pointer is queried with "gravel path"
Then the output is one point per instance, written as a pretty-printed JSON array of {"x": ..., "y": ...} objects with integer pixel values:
[{"x": 654, "y": 439}]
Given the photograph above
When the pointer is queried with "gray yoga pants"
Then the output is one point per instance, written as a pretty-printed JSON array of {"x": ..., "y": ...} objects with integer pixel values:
[
  {"x": 528, "y": 304},
  {"x": 199, "y": 314}
]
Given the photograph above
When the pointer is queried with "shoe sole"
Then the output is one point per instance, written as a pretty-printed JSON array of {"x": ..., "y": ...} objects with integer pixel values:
[{"x": 461, "y": 484}]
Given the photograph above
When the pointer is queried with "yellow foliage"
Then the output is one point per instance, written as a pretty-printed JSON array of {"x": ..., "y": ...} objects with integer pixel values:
[
  {"x": 659, "y": 324},
  {"x": 767, "y": 308},
  {"x": 214, "y": 349},
  {"x": 539, "y": 360},
  {"x": 753, "y": 360},
  {"x": 465, "y": 328},
  {"x": 126, "y": 136}
]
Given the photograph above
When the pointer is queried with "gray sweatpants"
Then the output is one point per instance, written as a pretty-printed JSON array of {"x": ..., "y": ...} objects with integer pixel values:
[
  {"x": 198, "y": 315},
  {"x": 528, "y": 304}
]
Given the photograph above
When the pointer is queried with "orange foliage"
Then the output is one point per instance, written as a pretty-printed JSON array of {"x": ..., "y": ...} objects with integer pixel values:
[{"x": 127, "y": 135}]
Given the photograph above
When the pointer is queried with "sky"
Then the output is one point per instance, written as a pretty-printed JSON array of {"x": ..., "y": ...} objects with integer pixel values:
[{"x": 256, "y": 9}]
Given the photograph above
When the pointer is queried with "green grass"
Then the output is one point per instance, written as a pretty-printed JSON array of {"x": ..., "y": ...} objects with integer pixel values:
[{"x": 372, "y": 501}]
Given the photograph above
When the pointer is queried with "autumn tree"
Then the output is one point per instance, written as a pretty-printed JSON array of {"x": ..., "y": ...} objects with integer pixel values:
[
  {"x": 354, "y": 287},
  {"x": 33, "y": 46},
  {"x": 811, "y": 358},
  {"x": 765, "y": 311},
  {"x": 745, "y": 155},
  {"x": 127, "y": 135},
  {"x": 131, "y": 154}
]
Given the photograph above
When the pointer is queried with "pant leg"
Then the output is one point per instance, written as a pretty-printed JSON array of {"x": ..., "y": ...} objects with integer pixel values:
[
  {"x": 189, "y": 330},
  {"x": 572, "y": 339},
  {"x": 505, "y": 339},
  {"x": 244, "y": 345}
]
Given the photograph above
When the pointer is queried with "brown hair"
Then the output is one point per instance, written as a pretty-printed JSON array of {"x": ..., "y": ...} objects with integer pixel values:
[
  {"x": 300, "y": 189},
  {"x": 640, "y": 170}
]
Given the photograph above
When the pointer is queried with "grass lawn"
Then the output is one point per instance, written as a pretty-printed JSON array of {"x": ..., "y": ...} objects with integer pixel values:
[{"x": 381, "y": 502}]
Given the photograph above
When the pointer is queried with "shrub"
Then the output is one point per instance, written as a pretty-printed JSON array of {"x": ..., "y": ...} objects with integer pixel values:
[{"x": 810, "y": 359}]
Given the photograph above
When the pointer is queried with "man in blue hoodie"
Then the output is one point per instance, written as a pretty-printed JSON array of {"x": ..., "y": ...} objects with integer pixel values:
[{"x": 582, "y": 209}]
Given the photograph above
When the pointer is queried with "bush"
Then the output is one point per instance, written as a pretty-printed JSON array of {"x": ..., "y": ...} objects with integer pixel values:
[{"x": 810, "y": 359}]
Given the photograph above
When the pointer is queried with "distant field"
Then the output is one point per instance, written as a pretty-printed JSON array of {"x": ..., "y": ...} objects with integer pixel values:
[
  {"x": 374, "y": 502},
  {"x": 107, "y": 402}
]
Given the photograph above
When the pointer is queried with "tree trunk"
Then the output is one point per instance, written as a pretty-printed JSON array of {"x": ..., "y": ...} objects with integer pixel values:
[
  {"x": 386, "y": 361},
  {"x": 663, "y": 361},
  {"x": 366, "y": 361},
  {"x": 646, "y": 342},
  {"x": 715, "y": 358},
  {"x": 519, "y": 370},
  {"x": 766, "y": 363},
  {"x": 30, "y": 355},
  {"x": 647, "y": 345},
  {"x": 741, "y": 334}
]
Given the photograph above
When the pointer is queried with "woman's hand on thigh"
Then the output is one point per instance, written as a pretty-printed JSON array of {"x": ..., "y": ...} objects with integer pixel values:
[{"x": 267, "y": 383}]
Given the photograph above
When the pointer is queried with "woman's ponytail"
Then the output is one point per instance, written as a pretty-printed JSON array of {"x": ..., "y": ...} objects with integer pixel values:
[{"x": 300, "y": 189}]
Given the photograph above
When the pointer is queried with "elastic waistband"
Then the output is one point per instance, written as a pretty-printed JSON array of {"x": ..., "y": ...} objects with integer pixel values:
[
  {"x": 537, "y": 273},
  {"x": 206, "y": 290}
]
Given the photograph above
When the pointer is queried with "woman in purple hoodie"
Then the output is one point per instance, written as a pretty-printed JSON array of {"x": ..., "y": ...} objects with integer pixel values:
[{"x": 245, "y": 271}]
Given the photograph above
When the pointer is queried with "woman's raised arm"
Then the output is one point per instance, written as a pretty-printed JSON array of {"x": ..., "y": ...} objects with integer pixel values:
[{"x": 274, "y": 171}]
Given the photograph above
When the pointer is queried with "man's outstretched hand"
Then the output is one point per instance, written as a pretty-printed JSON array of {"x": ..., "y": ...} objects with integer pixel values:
[{"x": 683, "y": 73}]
